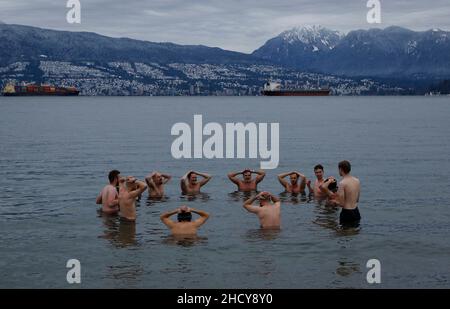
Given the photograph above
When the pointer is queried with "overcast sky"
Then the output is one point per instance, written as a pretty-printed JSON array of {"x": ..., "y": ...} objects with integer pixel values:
[{"x": 240, "y": 25}]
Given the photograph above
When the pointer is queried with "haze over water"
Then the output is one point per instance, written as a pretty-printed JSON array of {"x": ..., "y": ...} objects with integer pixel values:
[{"x": 55, "y": 154}]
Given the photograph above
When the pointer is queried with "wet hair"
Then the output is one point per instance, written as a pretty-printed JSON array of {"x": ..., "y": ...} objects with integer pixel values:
[
  {"x": 333, "y": 186},
  {"x": 345, "y": 166},
  {"x": 318, "y": 167},
  {"x": 113, "y": 175},
  {"x": 184, "y": 216}
]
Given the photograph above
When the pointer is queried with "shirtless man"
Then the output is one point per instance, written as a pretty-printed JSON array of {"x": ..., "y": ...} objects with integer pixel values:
[
  {"x": 108, "y": 197},
  {"x": 318, "y": 194},
  {"x": 293, "y": 186},
  {"x": 347, "y": 195},
  {"x": 155, "y": 182},
  {"x": 129, "y": 191},
  {"x": 185, "y": 225},
  {"x": 247, "y": 184},
  {"x": 189, "y": 183},
  {"x": 268, "y": 211}
]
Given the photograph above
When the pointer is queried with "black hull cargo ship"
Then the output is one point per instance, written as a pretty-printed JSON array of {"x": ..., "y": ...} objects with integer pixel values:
[
  {"x": 43, "y": 90},
  {"x": 274, "y": 89}
]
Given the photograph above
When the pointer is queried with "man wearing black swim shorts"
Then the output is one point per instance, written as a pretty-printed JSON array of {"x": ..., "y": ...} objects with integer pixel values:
[{"x": 347, "y": 195}]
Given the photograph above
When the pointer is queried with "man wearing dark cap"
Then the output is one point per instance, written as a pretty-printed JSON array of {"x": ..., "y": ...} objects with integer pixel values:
[{"x": 185, "y": 225}]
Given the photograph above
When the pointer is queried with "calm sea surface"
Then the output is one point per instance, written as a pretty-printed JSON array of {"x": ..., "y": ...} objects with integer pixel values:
[{"x": 55, "y": 154}]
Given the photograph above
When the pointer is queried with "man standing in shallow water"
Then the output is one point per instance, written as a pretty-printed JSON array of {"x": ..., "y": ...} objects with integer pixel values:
[
  {"x": 268, "y": 211},
  {"x": 247, "y": 184},
  {"x": 156, "y": 182},
  {"x": 189, "y": 183},
  {"x": 129, "y": 190},
  {"x": 108, "y": 197},
  {"x": 185, "y": 225},
  {"x": 317, "y": 191},
  {"x": 347, "y": 195},
  {"x": 293, "y": 186}
]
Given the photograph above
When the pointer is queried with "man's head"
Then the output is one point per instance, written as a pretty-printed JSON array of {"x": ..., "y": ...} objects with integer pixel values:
[
  {"x": 344, "y": 168},
  {"x": 157, "y": 178},
  {"x": 113, "y": 177},
  {"x": 131, "y": 183},
  {"x": 192, "y": 177},
  {"x": 294, "y": 178},
  {"x": 318, "y": 171},
  {"x": 184, "y": 215},
  {"x": 264, "y": 199},
  {"x": 247, "y": 175}
]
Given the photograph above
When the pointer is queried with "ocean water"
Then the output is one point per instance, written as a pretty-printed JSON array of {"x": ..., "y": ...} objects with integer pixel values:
[{"x": 55, "y": 154}]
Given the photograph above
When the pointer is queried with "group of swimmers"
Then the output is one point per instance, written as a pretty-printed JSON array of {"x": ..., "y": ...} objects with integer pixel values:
[{"x": 120, "y": 195}]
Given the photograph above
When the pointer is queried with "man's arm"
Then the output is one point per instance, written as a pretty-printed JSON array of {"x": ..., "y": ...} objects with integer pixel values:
[
  {"x": 303, "y": 182},
  {"x": 203, "y": 217},
  {"x": 233, "y": 178},
  {"x": 248, "y": 204},
  {"x": 165, "y": 218},
  {"x": 183, "y": 182},
  {"x": 149, "y": 181},
  {"x": 260, "y": 175},
  {"x": 206, "y": 178},
  {"x": 98, "y": 200},
  {"x": 282, "y": 180},
  {"x": 141, "y": 188},
  {"x": 311, "y": 190},
  {"x": 166, "y": 178}
]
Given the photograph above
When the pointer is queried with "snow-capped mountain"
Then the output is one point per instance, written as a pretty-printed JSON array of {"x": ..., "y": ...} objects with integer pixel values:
[
  {"x": 393, "y": 51},
  {"x": 298, "y": 45}
]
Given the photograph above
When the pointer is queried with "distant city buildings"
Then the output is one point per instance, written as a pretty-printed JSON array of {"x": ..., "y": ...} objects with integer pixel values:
[{"x": 179, "y": 79}]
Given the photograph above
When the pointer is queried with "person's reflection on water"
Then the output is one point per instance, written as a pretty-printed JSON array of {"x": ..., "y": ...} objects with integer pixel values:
[
  {"x": 347, "y": 268},
  {"x": 151, "y": 201},
  {"x": 262, "y": 234},
  {"x": 202, "y": 197},
  {"x": 184, "y": 240},
  {"x": 120, "y": 233},
  {"x": 241, "y": 196},
  {"x": 294, "y": 198}
]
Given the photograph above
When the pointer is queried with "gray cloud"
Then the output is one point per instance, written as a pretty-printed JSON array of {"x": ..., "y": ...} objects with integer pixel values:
[{"x": 231, "y": 24}]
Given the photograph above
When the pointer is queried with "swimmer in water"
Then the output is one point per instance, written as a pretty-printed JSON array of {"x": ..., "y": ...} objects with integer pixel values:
[
  {"x": 317, "y": 191},
  {"x": 347, "y": 195},
  {"x": 268, "y": 211},
  {"x": 247, "y": 184},
  {"x": 293, "y": 186},
  {"x": 108, "y": 197},
  {"x": 185, "y": 225},
  {"x": 129, "y": 190},
  {"x": 155, "y": 182},
  {"x": 189, "y": 183}
]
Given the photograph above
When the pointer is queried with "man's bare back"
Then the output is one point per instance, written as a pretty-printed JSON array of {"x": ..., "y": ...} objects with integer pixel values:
[
  {"x": 268, "y": 212},
  {"x": 349, "y": 190},
  {"x": 108, "y": 197},
  {"x": 185, "y": 226}
]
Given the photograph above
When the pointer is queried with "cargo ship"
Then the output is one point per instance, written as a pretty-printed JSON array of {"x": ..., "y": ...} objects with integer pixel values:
[
  {"x": 274, "y": 89},
  {"x": 43, "y": 90}
]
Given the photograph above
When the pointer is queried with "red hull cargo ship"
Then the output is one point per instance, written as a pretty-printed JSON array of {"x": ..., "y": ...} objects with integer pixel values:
[
  {"x": 43, "y": 90},
  {"x": 274, "y": 89}
]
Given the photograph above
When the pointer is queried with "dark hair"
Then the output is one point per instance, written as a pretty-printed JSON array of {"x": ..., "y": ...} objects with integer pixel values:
[
  {"x": 184, "y": 217},
  {"x": 318, "y": 167},
  {"x": 345, "y": 166},
  {"x": 113, "y": 175},
  {"x": 189, "y": 175}
]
